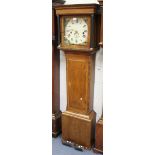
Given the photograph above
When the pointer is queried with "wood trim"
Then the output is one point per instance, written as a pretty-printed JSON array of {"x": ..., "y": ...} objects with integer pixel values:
[
  {"x": 79, "y": 50},
  {"x": 92, "y": 32},
  {"x": 100, "y": 24},
  {"x": 77, "y": 9}
]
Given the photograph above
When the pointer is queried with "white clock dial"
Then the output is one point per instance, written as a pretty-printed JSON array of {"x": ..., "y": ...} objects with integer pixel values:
[{"x": 76, "y": 31}]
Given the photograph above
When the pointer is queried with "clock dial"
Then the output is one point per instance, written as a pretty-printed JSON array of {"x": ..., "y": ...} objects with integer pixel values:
[{"x": 76, "y": 31}]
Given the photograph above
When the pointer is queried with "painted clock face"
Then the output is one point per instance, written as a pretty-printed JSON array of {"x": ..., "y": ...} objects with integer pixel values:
[{"x": 76, "y": 30}]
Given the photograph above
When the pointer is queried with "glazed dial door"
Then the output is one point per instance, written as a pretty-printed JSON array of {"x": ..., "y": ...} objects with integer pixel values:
[{"x": 76, "y": 30}]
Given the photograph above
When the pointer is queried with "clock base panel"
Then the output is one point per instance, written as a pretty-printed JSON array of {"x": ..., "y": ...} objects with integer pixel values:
[{"x": 78, "y": 130}]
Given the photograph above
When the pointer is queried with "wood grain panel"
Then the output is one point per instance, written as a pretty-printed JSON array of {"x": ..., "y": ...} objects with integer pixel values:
[
  {"x": 80, "y": 82},
  {"x": 77, "y": 84},
  {"x": 78, "y": 129}
]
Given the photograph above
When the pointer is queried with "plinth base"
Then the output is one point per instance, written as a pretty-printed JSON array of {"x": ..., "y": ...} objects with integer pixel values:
[
  {"x": 78, "y": 130},
  {"x": 56, "y": 124},
  {"x": 99, "y": 137}
]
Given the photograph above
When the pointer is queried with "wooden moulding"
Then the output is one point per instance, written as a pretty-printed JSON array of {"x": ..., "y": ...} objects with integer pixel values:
[
  {"x": 99, "y": 137},
  {"x": 76, "y": 9},
  {"x": 100, "y": 23},
  {"x": 79, "y": 50}
]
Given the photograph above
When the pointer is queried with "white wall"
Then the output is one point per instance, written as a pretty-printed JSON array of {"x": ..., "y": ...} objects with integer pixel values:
[{"x": 98, "y": 85}]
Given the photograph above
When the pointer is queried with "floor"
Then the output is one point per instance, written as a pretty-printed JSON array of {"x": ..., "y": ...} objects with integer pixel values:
[{"x": 59, "y": 149}]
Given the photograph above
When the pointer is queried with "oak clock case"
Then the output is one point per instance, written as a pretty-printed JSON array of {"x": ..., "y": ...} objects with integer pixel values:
[{"x": 77, "y": 38}]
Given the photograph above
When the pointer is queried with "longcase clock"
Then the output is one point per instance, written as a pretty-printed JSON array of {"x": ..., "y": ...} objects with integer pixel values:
[{"x": 77, "y": 31}]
